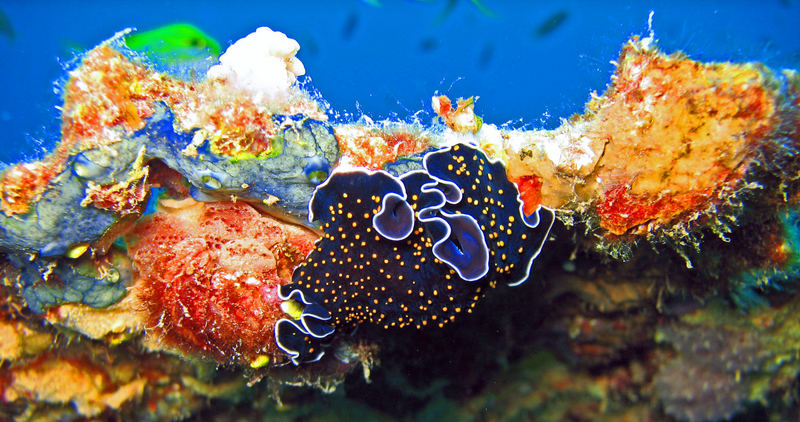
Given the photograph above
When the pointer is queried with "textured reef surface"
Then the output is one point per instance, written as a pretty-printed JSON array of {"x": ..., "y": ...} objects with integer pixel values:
[{"x": 222, "y": 248}]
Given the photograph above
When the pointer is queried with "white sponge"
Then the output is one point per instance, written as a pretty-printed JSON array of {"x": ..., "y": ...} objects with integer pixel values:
[{"x": 262, "y": 64}]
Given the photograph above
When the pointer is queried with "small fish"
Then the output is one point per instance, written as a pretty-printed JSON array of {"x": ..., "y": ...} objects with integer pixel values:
[
  {"x": 549, "y": 25},
  {"x": 5, "y": 26},
  {"x": 350, "y": 25},
  {"x": 486, "y": 55},
  {"x": 428, "y": 44},
  {"x": 179, "y": 41},
  {"x": 310, "y": 46},
  {"x": 448, "y": 9}
]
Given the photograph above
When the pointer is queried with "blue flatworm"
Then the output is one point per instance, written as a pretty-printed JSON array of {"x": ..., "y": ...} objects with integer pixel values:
[{"x": 413, "y": 250}]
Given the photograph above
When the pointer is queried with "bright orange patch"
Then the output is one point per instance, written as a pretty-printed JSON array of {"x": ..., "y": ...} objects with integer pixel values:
[{"x": 680, "y": 136}]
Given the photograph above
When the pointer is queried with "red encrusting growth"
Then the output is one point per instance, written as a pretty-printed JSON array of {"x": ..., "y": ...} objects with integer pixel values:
[
  {"x": 22, "y": 184},
  {"x": 664, "y": 149},
  {"x": 212, "y": 272},
  {"x": 124, "y": 198},
  {"x": 106, "y": 97},
  {"x": 681, "y": 135},
  {"x": 530, "y": 188},
  {"x": 462, "y": 118},
  {"x": 778, "y": 251},
  {"x": 107, "y": 90},
  {"x": 619, "y": 210},
  {"x": 374, "y": 148}
]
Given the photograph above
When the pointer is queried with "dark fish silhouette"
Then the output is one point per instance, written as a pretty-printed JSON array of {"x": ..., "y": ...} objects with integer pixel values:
[
  {"x": 5, "y": 26},
  {"x": 448, "y": 8},
  {"x": 486, "y": 55},
  {"x": 428, "y": 44},
  {"x": 549, "y": 25},
  {"x": 350, "y": 25},
  {"x": 310, "y": 46}
]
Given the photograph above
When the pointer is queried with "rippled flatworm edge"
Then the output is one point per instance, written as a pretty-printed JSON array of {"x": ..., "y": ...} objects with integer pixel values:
[
  {"x": 351, "y": 170},
  {"x": 453, "y": 196},
  {"x": 303, "y": 325},
  {"x": 294, "y": 355},
  {"x": 311, "y": 311},
  {"x": 482, "y": 244},
  {"x": 551, "y": 215},
  {"x": 385, "y": 208},
  {"x": 525, "y": 219},
  {"x": 446, "y": 192}
]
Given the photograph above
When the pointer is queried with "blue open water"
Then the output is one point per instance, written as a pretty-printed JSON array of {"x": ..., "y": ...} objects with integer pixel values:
[{"x": 388, "y": 61}]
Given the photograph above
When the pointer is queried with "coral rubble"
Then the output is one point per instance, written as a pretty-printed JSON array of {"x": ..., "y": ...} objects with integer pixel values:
[{"x": 222, "y": 240}]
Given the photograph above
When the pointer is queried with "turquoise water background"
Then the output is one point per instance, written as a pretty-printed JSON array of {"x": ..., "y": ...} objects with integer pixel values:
[{"x": 387, "y": 61}]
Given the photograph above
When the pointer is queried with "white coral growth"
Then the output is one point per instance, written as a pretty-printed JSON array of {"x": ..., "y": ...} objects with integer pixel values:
[{"x": 263, "y": 64}]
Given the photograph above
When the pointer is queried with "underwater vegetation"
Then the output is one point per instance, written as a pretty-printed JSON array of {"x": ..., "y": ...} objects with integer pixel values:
[{"x": 220, "y": 246}]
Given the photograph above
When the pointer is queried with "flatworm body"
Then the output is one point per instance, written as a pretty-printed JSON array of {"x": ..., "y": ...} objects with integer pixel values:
[{"x": 414, "y": 250}]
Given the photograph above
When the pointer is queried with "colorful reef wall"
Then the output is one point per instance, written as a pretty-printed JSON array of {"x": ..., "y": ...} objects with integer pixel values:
[{"x": 222, "y": 247}]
